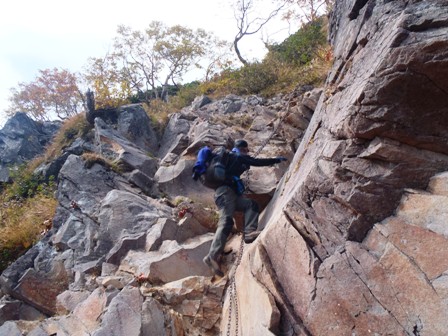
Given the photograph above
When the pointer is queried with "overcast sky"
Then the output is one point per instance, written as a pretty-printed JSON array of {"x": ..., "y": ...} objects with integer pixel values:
[{"x": 37, "y": 35}]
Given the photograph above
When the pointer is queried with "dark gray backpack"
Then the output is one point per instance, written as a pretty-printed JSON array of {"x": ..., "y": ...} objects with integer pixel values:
[{"x": 215, "y": 174}]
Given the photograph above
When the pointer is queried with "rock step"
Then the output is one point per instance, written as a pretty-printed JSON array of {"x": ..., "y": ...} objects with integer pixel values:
[
  {"x": 173, "y": 261},
  {"x": 438, "y": 184},
  {"x": 426, "y": 211}
]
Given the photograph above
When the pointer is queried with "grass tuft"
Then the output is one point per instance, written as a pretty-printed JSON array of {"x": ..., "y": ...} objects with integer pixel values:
[{"x": 23, "y": 222}]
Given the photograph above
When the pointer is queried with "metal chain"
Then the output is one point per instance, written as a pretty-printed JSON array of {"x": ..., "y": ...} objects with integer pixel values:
[
  {"x": 235, "y": 301},
  {"x": 233, "y": 298},
  {"x": 229, "y": 321}
]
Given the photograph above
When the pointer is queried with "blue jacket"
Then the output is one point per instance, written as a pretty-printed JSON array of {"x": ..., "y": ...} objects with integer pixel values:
[{"x": 203, "y": 158}]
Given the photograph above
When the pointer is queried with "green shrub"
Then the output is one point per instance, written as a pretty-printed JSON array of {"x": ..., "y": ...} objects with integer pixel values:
[
  {"x": 254, "y": 78},
  {"x": 26, "y": 184},
  {"x": 301, "y": 47},
  {"x": 185, "y": 96},
  {"x": 303, "y": 58},
  {"x": 8, "y": 255},
  {"x": 250, "y": 79}
]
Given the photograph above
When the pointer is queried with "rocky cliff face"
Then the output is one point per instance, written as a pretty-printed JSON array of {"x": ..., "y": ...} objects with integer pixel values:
[
  {"x": 353, "y": 240},
  {"x": 21, "y": 139},
  {"x": 354, "y": 237}
]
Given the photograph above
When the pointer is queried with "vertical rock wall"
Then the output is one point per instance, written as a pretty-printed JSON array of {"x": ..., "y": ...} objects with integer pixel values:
[{"x": 331, "y": 256}]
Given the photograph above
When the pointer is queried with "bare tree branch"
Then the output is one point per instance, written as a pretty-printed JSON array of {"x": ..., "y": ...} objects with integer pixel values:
[{"x": 247, "y": 26}]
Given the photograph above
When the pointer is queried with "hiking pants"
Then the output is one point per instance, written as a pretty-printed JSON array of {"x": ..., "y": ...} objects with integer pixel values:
[{"x": 228, "y": 202}]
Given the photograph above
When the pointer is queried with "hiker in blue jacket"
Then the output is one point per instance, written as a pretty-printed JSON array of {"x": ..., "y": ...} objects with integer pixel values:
[{"x": 229, "y": 198}]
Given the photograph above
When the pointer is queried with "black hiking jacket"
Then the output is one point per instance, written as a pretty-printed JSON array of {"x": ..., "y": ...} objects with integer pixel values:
[{"x": 239, "y": 163}]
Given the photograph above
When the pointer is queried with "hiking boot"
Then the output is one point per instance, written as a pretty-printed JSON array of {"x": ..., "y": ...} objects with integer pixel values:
[
  {"x": 214, "y": 265},
  {"x": 251, "y": 236}
]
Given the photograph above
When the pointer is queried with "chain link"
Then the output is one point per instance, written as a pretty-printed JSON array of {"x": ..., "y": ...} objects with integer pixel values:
[
  {"x": 237, "y": 312},
  {"x": 229, "y": 321},
  {"x": 233, "y": 298}
]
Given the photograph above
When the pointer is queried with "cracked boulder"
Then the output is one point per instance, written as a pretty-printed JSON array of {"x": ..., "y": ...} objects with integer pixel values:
[
  {"x": 116, "y": 147},
  {"x": 173, "y": 261}
]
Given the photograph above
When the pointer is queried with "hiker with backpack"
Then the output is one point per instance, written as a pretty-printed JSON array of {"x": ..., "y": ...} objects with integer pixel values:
[{"x": 223, "y": 170}]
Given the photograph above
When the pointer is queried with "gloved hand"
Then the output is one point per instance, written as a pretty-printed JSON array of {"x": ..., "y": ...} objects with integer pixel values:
[
  {"x": 281, "y": 159},
  {"x": 196, "y": 176}
]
